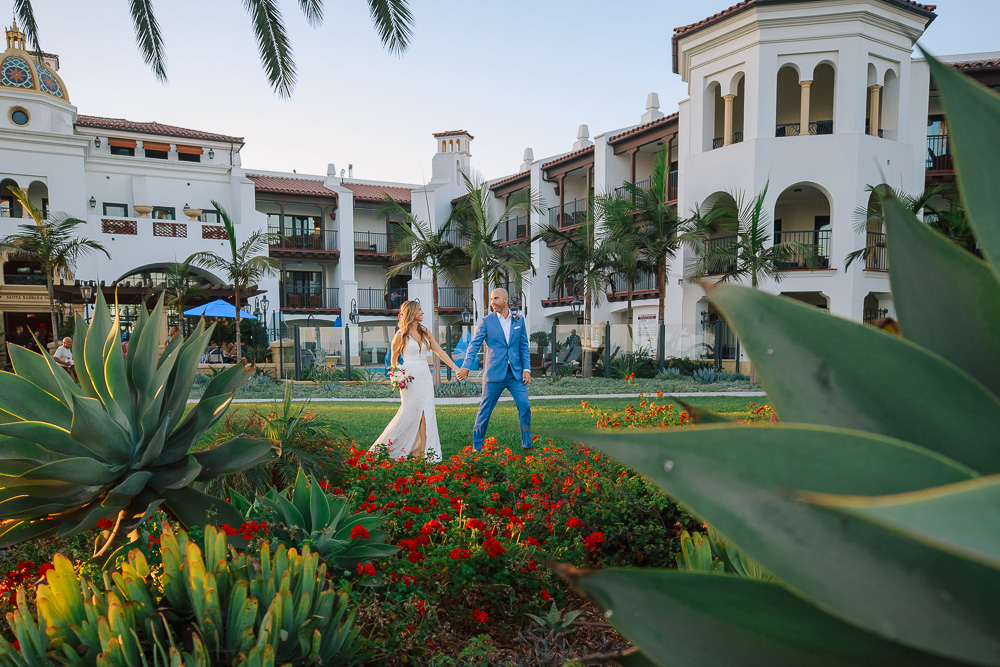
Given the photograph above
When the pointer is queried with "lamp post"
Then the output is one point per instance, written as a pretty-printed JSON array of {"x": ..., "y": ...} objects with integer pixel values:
[
  {"x": 264, "y": 304},
  {"x": 86, "y": 291},
  {"x": 470, "y": 316},
  {"x": 577, "y": 303},
  {"x": 256, "y": 313},
  {"x": 353, "y": 316}
]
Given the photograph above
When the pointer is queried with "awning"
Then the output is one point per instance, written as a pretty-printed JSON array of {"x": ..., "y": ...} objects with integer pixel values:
[
  {"x": 154, "y": 146},
  {"x": 121, "y": 143},
  {"x": 190, "y": 150}
]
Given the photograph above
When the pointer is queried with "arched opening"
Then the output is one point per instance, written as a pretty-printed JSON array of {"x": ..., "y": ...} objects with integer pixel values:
[
  {"x": 802, "y": 220},
  {"x": 714, "y": 118},
  {"x": 451, "y": 145},
  {"x": 444, "y": 146},
  {"x": 738, "y": 111},
  {"x": 722, "y": 213},
  {"x": 875, "y": 255},
  {"x": 816, "y": 299},
  {"x": 38, "y": 195},
  {"x": 873, "y": 309},
  {"x": 821, "y": 99},
  {"x": 788, "y": 108},
  {"x": 9, "y": 207},
  {"x": 890, "y": 106},
  {"x": 873, "y": 103}
]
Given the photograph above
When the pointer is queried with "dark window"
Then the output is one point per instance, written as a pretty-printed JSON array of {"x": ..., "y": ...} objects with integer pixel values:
[
  {"x": 211, "y": 216},
  {"x": 122, "y": 150},
  {"x": 163, "y": 213},
  {"x": 186, "y": 157},
  {"x": 6, "y": 207},
  {"x": 777, "y": 230},
  {"x": 156, "y": 155},
  {"x": 19, "y": 117},
  {"x": 821, "y": 222},
  {"x": 115, "y": 210},
  {"x": 45, "y": 208}
]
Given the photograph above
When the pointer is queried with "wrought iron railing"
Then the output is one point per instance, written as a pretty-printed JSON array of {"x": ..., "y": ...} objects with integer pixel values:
[
  {"x": 738, "y": 137},
  {"x": 454, "y": 235},
  {"x": 876, "y": 259},
  {"x": 718, "y": 142},
  {"x": 672, "y": 185},
  {"x": 939, "y": 153},
  {"x": 310, "y": 296},
  {"x": 868, "y": 129},
  {"x": 570, "y": 213},
  {"x": 454, "y": 297},
  {"x": 288, "y": 239},
  {"x": 872, "y": 314},
  {"x": 377, "y": 242},
  {"x": 376, "y": 298},
  {"x": 795, "y": 129},
  {"x": 21, "y": 279},
  {"x": 512, "y": 229},
  {"x": 712, "y": 245},
  {"x": 815, "y": 256},
  {"x": 565, "y": 291},
  {"x": 619, "y": 284}
]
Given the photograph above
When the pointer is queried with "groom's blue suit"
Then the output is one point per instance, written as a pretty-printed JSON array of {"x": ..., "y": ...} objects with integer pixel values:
[{"x": 505, "y": 361}]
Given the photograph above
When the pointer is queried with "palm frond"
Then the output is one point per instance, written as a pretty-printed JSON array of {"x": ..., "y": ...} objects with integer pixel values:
[
  {"x": 313, "y": 10},
  {"x": 148, "y": 37},
  {"x": 393, "y": 22},
  {"x": 273, "y": 44},
  {"x": 24, "y": 12}
]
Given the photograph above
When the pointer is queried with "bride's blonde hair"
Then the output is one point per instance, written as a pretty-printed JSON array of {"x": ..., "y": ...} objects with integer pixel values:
[{"x": 407, "y": 316}]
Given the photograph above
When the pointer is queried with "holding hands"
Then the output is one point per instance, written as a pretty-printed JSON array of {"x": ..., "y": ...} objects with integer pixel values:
[{"x": 462, "y": 373}]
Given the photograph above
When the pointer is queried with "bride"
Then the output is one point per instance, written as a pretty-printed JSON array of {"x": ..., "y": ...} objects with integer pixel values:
[{"x": 413, "y": 431}]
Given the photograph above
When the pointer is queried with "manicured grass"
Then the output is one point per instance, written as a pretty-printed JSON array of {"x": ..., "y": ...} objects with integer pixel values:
[{"x": 364, "y": 422}]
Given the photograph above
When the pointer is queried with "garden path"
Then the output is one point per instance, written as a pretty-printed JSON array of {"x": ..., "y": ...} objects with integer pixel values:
[{"x": 474, "y": 400}]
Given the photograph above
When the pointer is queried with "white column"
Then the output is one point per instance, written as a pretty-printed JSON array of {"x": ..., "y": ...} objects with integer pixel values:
[
  {"x": 873, "y": 112},
  {"x": 727, "y": 124},
  {"x": 806, "y": 86}
]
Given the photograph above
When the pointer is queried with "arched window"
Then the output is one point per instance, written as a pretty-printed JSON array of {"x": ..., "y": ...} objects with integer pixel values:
[
  {"x": 714, "y": 117},
  {"x": 821, "y": 99},
  {"x": 9, "y": 207},
  {"x": 788, "y": 103},
  {"x": 802, "y": 217}
]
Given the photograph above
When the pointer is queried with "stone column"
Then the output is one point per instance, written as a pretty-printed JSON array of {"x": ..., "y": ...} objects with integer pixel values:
[
  {"x": 806, "y": 86},
  {"x": 873, "y": 112},
  {"x": 727, "y": 124}
]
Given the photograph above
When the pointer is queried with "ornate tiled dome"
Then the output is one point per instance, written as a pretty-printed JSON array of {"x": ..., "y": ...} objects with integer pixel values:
[{"x": 25, "y": 71}]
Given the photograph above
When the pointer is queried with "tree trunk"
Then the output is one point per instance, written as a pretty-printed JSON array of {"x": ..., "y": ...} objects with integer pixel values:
[
  {"x": 661, "y": 285},
  {"x": 236, "y": 292},
  {"x": 436, "y": 367},
  {"x": 628, "y": 315},
  {"x": 52, "y": 311},
  {"x": 587, "y": 363},
  {"x": 486, "y": 296}
]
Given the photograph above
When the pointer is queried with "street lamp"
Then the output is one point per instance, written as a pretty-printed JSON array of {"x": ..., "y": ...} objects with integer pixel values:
[
  {"x": 468, "y": 316},
  {"x": 86, "y": 291},
  {"x": 353, "y": 315},
  {"x": 576, "y": 304}
]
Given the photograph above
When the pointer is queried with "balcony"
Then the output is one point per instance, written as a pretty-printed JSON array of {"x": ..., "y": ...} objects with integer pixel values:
[
  {"x": 562, "y": 294},
  {"x": 719, "y": 142},
  {"x": 938, "y": 153},
  {"x": 310, "y": 297},
  {"x": 378, "y": 301},
  {"x": 815, "y": 257},
  {"x": 795, "y": 129},
  {"x": 643, "y": 288},
  {"x": 570, "y": 214},
  {"x": 454, "y": 236},
  {"x": 877, "y": 259},
  {"x": 314, "y": 244},
  {"x": 23, "y": 279},
  {"x": 871, "y": 314},
  {"x": 720, "y": 266},
  {"x": 512, "y": 230},
  {"x": 453, "y": 299},
  {"x": 671, "y": 193},
  {"x": 372, "y": 248}
]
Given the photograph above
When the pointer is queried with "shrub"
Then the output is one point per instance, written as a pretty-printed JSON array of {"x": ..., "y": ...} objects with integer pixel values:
[
  {"x": 687, "y": 366},
  {"x": 213, "y": 609},
  {"x": 458, "y": 388},
  {"x": 706, "y": 376}
]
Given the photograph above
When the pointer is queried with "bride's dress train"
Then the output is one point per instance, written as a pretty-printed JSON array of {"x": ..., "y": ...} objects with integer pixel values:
[{"x": 400, "y": 436}]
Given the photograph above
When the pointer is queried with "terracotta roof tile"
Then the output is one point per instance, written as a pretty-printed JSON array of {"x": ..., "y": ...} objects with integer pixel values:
[
  {"x": 377, "y": 193},
  {"x": 971, "y": 65},
  {"x": 745, "y": 4},
  {"x": 309, "y": 187},
  {"x": 642, "y": 128},
  {"x": 452, "y": 133},
  {"x": 568, "y": 157},
  {"x": 459, "y": 198},
  {"x": 122, "y": 125},
  {"x": 510, "y": 179}
]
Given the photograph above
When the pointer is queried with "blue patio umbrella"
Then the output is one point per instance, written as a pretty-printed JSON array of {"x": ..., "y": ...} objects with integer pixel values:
[{"x": 218, "y": 308}]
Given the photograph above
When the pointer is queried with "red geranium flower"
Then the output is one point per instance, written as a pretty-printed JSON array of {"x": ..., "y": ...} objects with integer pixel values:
[
  {"x": 359, "y": 532},
  {"x": 593, "y": 541},
  {"x": 573, "y": 522},
  {"x": 481, "y": 616}
]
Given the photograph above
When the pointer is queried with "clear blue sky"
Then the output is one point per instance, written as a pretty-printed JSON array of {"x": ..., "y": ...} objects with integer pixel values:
[{"x": 516, "y": 73}]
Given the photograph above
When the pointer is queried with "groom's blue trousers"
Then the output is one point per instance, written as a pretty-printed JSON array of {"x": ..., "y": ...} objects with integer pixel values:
[{"x": 491, "y": 394}]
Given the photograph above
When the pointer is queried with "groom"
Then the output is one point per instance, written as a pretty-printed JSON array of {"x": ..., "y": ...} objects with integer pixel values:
[{"x": 508, "y": 364}]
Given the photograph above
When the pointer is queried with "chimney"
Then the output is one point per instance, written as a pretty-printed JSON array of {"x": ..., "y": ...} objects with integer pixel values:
[
  {"x": 582, "y": 138},
  {"x": 350, "y": 171},
  {"x": 331, "y": 170},
  {"x": 529, "y": 157},
  {"x": 652, "y": 108}
]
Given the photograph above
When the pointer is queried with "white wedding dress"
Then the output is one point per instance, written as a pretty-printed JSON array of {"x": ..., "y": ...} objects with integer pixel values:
[{"x": 400, "y": 436}]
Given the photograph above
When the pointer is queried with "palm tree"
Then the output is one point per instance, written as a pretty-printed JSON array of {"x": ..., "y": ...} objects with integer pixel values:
[
  {"x": 244, "y": 264},
  {"x": 50, "y": 243},
  {"x": 391, "y": 18},
  {"x": 416, "y": 249},
  {"x": 181, "y": 286},
  {"x": 478, "y": 224},
  {"x": 584, "y": 259},
  {"x": 624, "y": 240},
  {"x": 750, "y": 256}
]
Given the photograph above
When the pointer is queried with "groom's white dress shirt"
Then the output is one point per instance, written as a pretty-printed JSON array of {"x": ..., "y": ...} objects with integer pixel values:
[{"x": 505, "y": 324}]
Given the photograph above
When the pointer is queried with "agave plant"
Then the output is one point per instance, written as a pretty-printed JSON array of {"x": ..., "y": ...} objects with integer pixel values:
[
  {"x": 259, "y": 611},
  {"x": 306, "y": 514},
  {"x": 118, "y": 445},
  {"x": 874, "y": 504}
]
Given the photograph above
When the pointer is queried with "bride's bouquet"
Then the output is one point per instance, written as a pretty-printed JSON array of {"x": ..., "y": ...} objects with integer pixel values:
[{"x": 399, "y": 378}]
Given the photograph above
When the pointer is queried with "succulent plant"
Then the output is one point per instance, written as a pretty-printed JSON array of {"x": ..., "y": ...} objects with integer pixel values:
[
  {"x": 216, "y": 608},
  {"x": 874, "y": 503},
  {"x": 306, "y": 515},
  {"x": 705, "y": 376},
  {"x": 118, "y": 445}
]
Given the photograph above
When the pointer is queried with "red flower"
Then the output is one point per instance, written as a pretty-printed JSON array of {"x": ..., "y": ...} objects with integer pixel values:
[
  {"x": 573, "y": 522},
  {"x": 432, "y": 526},
  {"x": 546, "y": 595},
  {"x": 359, "y": 532},
  {"x": 460, "y": 554},
  {"x": 593, "y": 541},
  {"x": 481, "y": 616},
  {"x": 43, "y": 568},
  {"x": 493, "y": 547},
  {"x": 532, "y": 541},
  {"x": 415, "y": 556},
  {"x": 475, "y": 524},
  {"x": 366, "y": 569},
  {"x": 105, "y": 524}
]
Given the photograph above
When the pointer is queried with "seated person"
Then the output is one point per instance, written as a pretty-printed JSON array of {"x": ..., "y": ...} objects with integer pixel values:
[{"x": 213, "y": 355}]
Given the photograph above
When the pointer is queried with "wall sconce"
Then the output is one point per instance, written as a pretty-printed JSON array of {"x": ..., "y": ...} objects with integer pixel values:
[
  {"x": 211, "y": 154},
  {"x": 97, "y": 142},
  {"x": 93, "y": 202}
]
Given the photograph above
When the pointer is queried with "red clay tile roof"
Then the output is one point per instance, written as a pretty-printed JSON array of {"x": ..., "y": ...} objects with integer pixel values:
[
  {"x": 122, "y": 125},
  {"x": 309, "y": 187},
  {"x": 642, "y": 128},
  {"x": 459, "y": 198},
  {"x": 746, "y": 4},
  {"x": 452, "y": 133},
  {"x": 510, "y": 179},
  {"x": 377, "y": 193},
  {"x": 568, "y": 157},
  {"x": 971, "y": 65}
]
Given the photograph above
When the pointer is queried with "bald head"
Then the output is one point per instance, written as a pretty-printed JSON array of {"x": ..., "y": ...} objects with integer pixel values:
[{"x": 498, "y": 301}]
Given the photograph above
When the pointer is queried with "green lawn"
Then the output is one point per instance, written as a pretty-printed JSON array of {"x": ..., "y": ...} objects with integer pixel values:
[{"x": 550, "y": 418}]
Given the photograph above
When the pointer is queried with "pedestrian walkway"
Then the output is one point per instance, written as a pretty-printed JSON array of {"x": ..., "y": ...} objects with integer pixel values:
[{"x": 474, "y": 400}]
